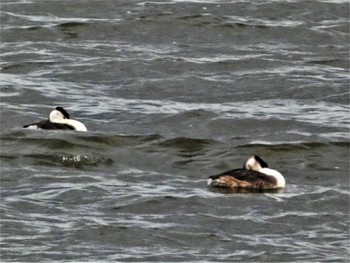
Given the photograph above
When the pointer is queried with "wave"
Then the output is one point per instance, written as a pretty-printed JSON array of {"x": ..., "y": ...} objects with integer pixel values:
[
  {"x": 66, "y": 148},
  {"x": 79, "y": 150},
  {"x": 321, "y": 113},
  {"x": 186, "y": 144},
  {"x": 293, "y": 144},
  {"x": 64, "y": 22},
  {"x": 326, "y": 114},
  {"x": 56, "y": 139}
]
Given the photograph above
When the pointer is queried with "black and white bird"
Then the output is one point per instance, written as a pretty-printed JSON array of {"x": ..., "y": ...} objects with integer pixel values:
[
  {"x": 58, "y": 120},
  {"x": 255, "y": 174}
]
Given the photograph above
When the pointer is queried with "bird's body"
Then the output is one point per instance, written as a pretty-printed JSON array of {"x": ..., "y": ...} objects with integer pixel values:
[
  {"x": 58, "y": 120},
  {"x": 254, "y": 175}
]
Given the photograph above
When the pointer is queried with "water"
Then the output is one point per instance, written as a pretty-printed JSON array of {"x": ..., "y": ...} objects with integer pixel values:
[{"x": 172, "y": 92}]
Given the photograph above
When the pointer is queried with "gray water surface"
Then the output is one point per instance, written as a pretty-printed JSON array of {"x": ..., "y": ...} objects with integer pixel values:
[{"x": 172, "y": 92}]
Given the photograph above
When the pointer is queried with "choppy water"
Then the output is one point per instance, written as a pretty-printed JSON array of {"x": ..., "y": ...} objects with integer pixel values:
[{"x": 172, "y": 92}]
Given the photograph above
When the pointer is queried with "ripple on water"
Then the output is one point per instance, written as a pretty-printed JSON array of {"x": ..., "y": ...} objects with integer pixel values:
[{"x": 218, "y": 81}]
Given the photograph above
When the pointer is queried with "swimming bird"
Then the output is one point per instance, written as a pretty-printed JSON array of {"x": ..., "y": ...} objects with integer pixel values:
[
  {"x": 255, "y": 174},
  {"x": 58, "y": 120}
]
